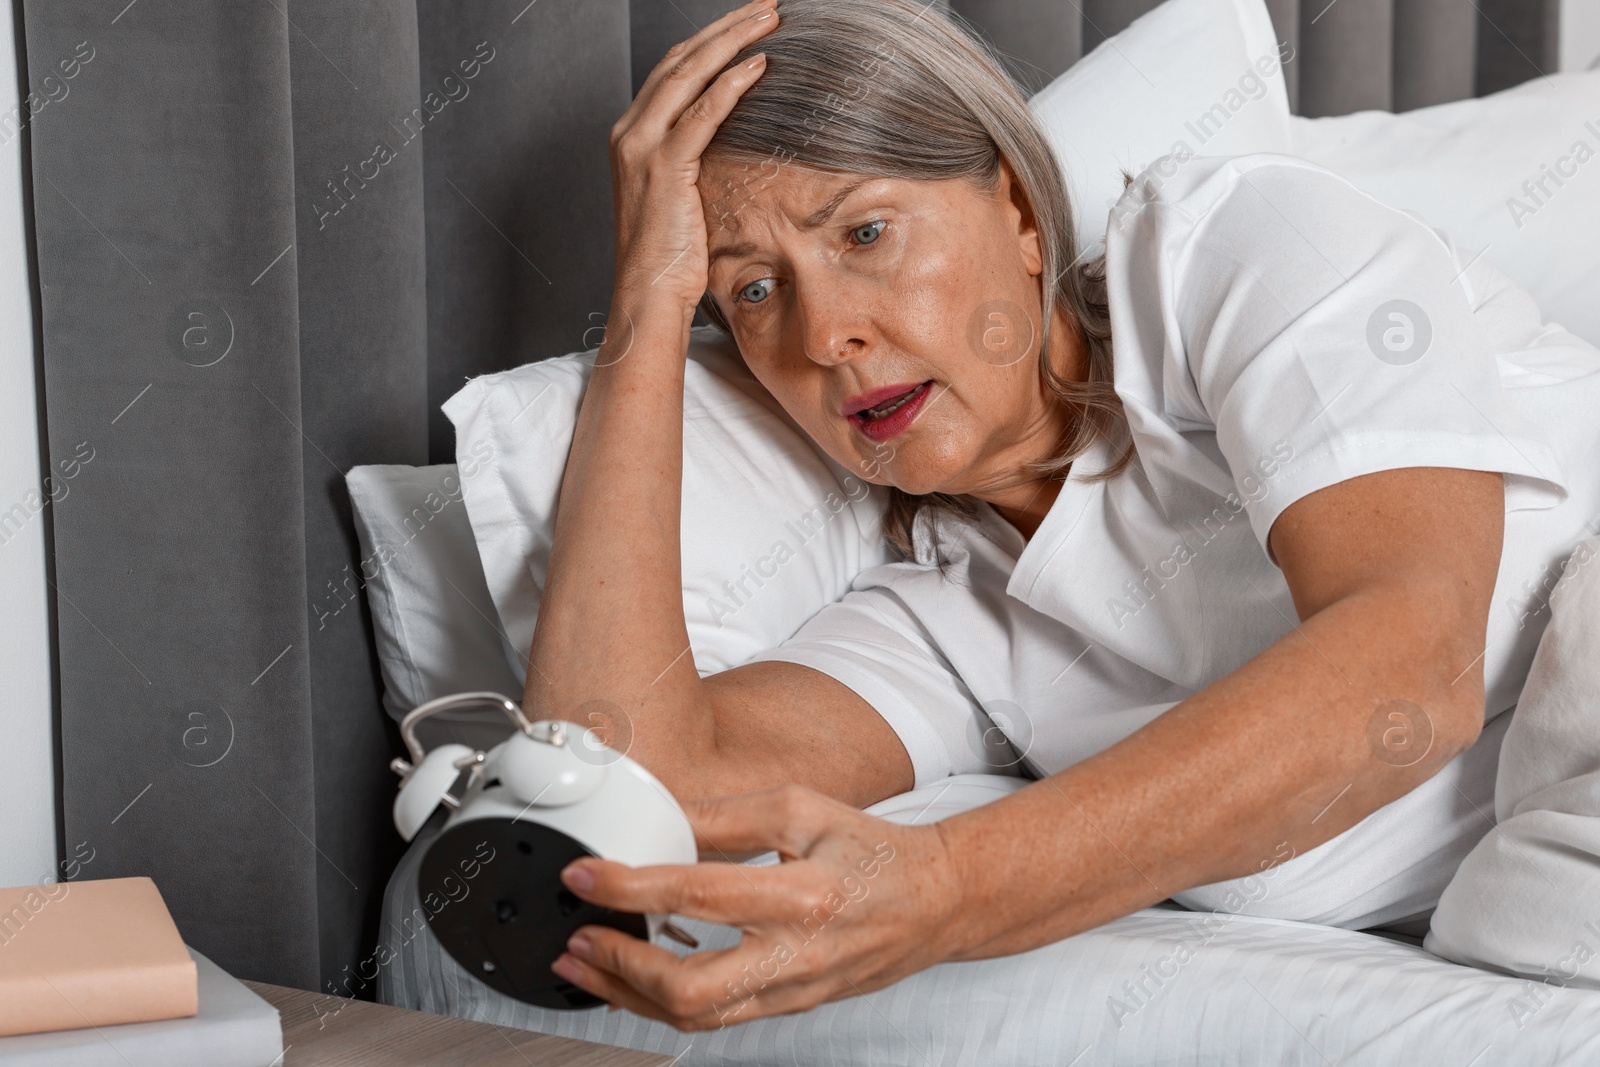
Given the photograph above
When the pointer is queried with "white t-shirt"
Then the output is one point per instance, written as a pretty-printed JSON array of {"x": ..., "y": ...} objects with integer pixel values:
[{"x": 1275, "y": 331}]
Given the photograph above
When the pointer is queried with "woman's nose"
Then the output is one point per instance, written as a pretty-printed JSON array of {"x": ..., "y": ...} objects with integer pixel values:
[{"x": 834, "y": 321}]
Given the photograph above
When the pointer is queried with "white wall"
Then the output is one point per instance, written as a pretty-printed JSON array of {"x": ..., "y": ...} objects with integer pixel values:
[
  {"x": 27, "y": 766},
  {"x": 1580, "y": 34}
]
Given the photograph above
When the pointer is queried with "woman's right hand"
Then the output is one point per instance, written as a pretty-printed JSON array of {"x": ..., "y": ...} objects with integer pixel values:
[{"x": 655, "y": 157}]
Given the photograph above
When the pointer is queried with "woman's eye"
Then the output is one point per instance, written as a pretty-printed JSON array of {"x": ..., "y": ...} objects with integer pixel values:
[
  {"x": 868, "y": 228},
  {"x": 753, "y": 293}
]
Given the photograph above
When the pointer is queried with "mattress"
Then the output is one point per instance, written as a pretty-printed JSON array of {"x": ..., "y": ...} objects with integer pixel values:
[{"x": 1161, "y": 986}]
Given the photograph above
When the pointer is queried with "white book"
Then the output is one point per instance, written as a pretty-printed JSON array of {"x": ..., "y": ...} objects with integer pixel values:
[{"x": 234, "y": 1028}]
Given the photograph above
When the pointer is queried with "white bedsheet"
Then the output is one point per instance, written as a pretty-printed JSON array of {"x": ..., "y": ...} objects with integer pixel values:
[{"x": 1248, "y": 991}]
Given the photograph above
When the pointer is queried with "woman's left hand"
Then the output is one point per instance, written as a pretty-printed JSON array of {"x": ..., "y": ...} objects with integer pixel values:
[{"x": 857, "y": 904}]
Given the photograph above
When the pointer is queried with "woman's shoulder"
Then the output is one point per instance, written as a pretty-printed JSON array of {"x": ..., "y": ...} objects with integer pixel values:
[
  {"x": 1212, "y": 244},
  {"x": 1184, "y": 187}
]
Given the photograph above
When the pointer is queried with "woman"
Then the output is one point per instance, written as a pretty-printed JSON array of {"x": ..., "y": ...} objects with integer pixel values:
[{"x": 1257, "y": 618}]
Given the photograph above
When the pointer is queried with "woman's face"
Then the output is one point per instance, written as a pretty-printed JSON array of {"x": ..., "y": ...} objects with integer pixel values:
[{"x": 850, "y": 295}]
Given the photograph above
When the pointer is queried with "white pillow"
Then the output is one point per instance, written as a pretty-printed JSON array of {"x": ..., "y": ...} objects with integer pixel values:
[
  {"x": 1192, "y": 77},
  {"x": 1462, "y": 167},
  {"x": 419, "y": 566},
  {"x": 772, "y": 530},
  {"x": 1523, "y": 900},
  {"x": 433, "y": 621}
]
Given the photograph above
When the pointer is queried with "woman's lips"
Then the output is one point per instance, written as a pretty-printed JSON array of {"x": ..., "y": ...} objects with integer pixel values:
[
  {"x": 876, "y": 397},
  {"x": 893, "y": 415}
]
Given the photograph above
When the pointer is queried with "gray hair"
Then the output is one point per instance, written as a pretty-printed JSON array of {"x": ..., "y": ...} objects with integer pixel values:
[{"x": 890, "y": 88}]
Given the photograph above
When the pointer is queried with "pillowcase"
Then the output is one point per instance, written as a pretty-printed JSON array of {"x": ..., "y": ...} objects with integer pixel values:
[
  {"x": 772, "y": 528},
  {"x": 1192, "y": 78},
  {"x": 1515, "y": 175},
  {"x": 1522, "y": 902},
  {"x": 432, "y": 618}
]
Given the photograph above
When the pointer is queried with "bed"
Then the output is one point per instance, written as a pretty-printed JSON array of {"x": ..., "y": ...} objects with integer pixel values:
[
  {"x": 1161, "y": 986},
  {"x": 1164, "y": 985}
]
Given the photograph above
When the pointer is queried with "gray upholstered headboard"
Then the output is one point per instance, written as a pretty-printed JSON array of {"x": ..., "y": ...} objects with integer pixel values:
[
  {"x": 271, "y": 239},
  {"x": 1352, "y": 55}
]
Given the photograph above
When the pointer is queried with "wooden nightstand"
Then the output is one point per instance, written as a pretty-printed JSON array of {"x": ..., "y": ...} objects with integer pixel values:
[{"x": 325, "y": 1031}]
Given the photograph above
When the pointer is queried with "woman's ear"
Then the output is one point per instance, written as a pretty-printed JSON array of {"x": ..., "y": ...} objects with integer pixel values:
[{"x": 1019, "y": 210}]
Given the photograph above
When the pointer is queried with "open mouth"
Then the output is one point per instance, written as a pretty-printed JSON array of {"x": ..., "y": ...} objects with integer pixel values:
[{"x": 892, "y": 415}]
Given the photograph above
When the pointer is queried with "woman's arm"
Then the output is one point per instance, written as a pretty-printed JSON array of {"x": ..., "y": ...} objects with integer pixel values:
[
  {"x": 611, "y": 649},
  {"x": 1392, "y": 575}
]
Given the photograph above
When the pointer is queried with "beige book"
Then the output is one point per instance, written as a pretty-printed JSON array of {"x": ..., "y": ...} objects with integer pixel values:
[{"x": 78, "y": 954}]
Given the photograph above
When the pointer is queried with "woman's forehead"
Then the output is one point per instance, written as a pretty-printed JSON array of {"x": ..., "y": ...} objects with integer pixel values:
[
  {"x": 741, "y": 195},
  {"x": 741, "y": 198},
  {"x": 772, "y": 182}
]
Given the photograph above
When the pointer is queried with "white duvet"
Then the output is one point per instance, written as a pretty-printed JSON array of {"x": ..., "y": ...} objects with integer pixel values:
[{"x": 1161, "y": 986}]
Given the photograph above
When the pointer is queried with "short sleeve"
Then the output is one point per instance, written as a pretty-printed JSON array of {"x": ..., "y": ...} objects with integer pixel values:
[
  {"x": 1321, "y": 333},
  {"x": 872, "y": 641}
]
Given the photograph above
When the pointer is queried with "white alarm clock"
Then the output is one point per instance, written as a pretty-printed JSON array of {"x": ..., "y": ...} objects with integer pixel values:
[{"x": 490, "y": 882}]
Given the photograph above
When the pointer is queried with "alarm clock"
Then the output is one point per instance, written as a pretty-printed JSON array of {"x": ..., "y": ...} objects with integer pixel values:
[{"x": 490, "y": 881}]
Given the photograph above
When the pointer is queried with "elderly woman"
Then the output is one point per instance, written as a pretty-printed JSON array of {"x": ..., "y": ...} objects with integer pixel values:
[{"x": 1247, "y": 649}]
